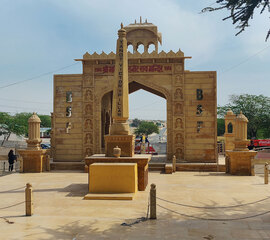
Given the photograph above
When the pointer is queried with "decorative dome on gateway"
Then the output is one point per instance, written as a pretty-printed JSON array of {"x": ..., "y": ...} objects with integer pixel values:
[{"x": 143, "y": 33}]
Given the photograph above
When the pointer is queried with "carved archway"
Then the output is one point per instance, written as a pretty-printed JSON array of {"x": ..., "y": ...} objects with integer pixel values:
[{"x": 137, "y": 83}]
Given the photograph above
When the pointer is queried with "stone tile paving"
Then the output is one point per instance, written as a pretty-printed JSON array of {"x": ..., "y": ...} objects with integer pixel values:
[{"x": 61, "y": 213}]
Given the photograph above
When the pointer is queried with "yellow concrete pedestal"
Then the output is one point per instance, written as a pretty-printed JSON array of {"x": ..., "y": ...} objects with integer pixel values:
[
  {"x": 240, "y": 162},
  {"x": 118, "y": 181},
  {"x": 34, "y": 160}
]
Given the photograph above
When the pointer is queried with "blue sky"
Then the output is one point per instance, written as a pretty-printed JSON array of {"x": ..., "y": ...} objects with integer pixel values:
[{"x": 41, "y": 36}]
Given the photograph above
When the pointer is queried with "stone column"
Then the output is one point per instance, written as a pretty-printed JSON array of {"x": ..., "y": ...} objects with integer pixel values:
[
  {"x": 120, "y": 111},
  {"x": 229, "y": 135},
  {"x": 119, "y": 131},
  {"x": 241, "y": 133},
  {"x": 35, "y": 159},
  {"x": 240, "y": 160},
  {"x": 34, "y": 140}
]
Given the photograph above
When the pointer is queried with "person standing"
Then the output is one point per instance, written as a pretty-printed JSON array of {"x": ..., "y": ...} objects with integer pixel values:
[{"x": 11, "y": 159}]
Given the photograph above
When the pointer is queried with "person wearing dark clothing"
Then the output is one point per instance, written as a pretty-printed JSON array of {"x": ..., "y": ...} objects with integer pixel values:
[{"x": 11, "y": 159}]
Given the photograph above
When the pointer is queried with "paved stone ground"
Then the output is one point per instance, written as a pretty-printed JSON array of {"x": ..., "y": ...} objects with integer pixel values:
[{"x": 61, "y": 213}]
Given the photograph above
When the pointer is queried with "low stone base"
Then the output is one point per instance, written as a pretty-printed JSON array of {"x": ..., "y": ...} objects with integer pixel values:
[
  {"x": 35, "y": 161},
  {"x": 168, "y": 168},
  {"x": 125, "y": 142},
  {"x": 240, "y": 162},
  {"x": 109, "y": 196}
]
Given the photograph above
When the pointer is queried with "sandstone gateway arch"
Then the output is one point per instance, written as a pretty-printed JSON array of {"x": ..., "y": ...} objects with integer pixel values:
[{"x": 83, "y": 102}]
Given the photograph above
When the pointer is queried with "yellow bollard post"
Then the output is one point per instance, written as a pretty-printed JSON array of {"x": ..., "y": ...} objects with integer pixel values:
[
  {"x": 28, "y": 200},
  {"x": 153, "y": 202},
  {"x": 266, "y": 170}
]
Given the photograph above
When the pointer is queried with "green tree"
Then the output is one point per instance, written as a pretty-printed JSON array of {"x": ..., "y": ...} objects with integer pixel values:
[
  {"x": 11, "y": 124},
  {"x": 241, "y": 11},
  {"x": 220, "y": 126},
  {"x": 146, "y": 128},
  {"x": 136, "y": 122},
  {"x": 45, "y": 120},
  {"x": 18, "y": 124},
  {"x": 255, "y": 108}
]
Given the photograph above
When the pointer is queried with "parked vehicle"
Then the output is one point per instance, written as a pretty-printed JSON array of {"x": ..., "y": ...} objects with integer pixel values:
[
  {"x": 45, "y": 145},
  {"x": 258, "y": 143},
  {"x": 149, "y": 149}
]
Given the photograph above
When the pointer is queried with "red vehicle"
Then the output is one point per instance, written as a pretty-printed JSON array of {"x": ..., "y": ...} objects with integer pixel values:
[
  {"x": 257, "y": 143},
  {"x": 149, "y": 149}
]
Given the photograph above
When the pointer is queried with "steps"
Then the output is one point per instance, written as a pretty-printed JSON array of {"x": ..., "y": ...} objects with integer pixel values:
[
  {"x": 73, "y": 166},
  {"x": 156, "y": 167},
  {"x": 201, "y": 167},
  {"x": 153, "y": 167}
]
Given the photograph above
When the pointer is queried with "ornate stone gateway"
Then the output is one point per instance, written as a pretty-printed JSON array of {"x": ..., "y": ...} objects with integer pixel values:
[{"x": 83, "y": 102}]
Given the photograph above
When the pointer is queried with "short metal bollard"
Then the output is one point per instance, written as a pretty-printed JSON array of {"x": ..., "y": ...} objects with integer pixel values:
[
  {"x": 153, "y": 202},
  {"x": 174, "y": 164},
  {"x": 28, "y": 200},
  {"x": 266, "y": 171}
]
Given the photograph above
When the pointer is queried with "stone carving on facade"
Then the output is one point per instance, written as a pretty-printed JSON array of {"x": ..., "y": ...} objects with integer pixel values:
[
  {"x": 59, "y": 90},
  {"x": 178, "y": 94},
  {"x": 88, "y": 152},
  {"x": 178, "y": 123},
  {"x": 179, "y": 153},
  {"x": 88, "y": 124},
  {"x": 88, "y": 80},
  {"x": 179, "y": 138},
  {"x": 88, "y": 138},
  {"x": 178, "y": 108},
  {"x": 178, "y": 80},
  {"x": 178, "y": 68},
  {"x": 88, "y": 109},
  {"x": 88, "y": 96}
]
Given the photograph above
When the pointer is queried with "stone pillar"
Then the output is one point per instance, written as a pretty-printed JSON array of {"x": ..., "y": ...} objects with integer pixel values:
[
  {"x": 34, "y": 158},
  {"x": 240, "y": 160},
  {"x": 120, "y": 111},
  {"x": 229, "y": 132},
  {"x": 119, "y": 132},
  {"x": 34, "y": 140},
  {"x": 241, "y": 141}
]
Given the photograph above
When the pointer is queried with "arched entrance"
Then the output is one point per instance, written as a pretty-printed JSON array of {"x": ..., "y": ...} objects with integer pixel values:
[{"x": 106, "y": 105}]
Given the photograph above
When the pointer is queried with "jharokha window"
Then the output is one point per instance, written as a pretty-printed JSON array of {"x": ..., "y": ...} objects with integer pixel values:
[{"x": 230, "y": 128}]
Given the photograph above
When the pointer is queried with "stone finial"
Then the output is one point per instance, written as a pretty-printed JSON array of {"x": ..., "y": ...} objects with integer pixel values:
[
  {"x": 34, "y": 140},
  {"x": 140, "y": 19},
  {"x": 229, "y": 112},
  {"x": 242, "y": 117},
  {"x": 34, "y": 118},
  {"x": 122, "y": 26}
]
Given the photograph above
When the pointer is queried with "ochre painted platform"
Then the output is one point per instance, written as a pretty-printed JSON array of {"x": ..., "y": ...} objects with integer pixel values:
[
  {"x": 113, "y": 178},
  {"x": 141, "y": 160},
  {"x": 109, "y": 196}
]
